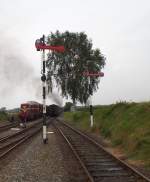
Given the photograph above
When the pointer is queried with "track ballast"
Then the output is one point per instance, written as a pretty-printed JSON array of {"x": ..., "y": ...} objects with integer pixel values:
[{"x": 99, "y": 165}]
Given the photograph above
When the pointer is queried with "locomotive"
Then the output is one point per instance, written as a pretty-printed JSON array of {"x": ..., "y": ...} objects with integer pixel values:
[
  {"x": 53, "y": 110},
  {"x": 32, "y": 110}
]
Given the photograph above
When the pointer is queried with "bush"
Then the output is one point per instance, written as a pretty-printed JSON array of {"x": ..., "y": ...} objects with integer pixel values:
[{"x": 3, "y": 116}]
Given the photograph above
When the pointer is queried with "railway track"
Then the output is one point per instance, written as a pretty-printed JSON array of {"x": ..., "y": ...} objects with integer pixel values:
[
  {"x": 12, "y": 141},
  {"x": 98, "y": 164},
  {"x": 8, "y": 126}
]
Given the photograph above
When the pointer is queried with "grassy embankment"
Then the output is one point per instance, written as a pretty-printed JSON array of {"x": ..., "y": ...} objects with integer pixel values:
[{"x": 126, "y": 125}]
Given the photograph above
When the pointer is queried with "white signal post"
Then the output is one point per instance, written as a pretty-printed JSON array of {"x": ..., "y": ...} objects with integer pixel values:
[
  {"x": 43, "y": 78},
  {"x": 41, "y": 46},
  {"x": 89, "y": 75},
  {"x": 90, "y": 103}
]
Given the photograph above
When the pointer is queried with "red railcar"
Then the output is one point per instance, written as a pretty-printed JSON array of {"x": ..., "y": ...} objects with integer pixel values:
[{"x": 30, "y": 110}]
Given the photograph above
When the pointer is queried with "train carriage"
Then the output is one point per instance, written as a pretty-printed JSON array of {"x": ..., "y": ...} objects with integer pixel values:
[{"x": 30, "y": 111}]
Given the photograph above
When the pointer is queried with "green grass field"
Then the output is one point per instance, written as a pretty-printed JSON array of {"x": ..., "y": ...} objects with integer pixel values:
[{"x": 126, "y": 125}]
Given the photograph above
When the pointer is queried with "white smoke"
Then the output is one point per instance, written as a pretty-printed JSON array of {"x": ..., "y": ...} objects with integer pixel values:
[
  {"x": 14, "y": 70},
  {"x": 17, "y": 74}
]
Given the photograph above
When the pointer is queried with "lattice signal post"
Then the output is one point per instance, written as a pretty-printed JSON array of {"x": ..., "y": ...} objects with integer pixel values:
[
  {"x": 41, "y": 46},
  {"x": 90, "y": 74}
]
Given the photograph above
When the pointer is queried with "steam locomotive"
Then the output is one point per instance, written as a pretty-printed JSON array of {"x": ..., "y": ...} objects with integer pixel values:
[
  {"x": 53, "y": 110},
  {"x": 33, "y": 110}
]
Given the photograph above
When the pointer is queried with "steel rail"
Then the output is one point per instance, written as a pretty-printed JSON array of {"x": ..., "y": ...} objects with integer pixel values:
[
  {"x": 18, "y": 142},
  {"x": 7, "y": 126},
  {"x": 90, "y": 178},
  {"x": 122, "y": 163},
  {"x": 19, "y": 132}
]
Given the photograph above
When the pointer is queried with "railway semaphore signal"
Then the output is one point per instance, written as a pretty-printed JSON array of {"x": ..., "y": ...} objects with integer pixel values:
[
  {"x": 42, "y": 46},
  {"x": 89, "y": 75}
]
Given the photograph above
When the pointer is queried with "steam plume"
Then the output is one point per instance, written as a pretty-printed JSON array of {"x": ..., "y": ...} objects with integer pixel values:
[{"x": 16, "y": 72}]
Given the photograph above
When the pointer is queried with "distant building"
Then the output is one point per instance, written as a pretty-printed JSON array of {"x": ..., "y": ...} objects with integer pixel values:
[{"x": 73, "y": 108}]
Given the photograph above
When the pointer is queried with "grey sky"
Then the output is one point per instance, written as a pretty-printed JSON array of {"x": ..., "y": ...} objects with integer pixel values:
[{"x": 121, "y": 29}]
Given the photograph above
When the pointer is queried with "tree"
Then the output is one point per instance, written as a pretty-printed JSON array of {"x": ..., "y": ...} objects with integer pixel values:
[
  {"x": 67, "y": 68},
  {"x": 68, "y": 106},
  {"x": 3, "y": 109}
]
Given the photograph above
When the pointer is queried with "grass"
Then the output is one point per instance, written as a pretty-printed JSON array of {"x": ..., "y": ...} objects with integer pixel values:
[
  {"x": 127, "y": 125},
  {"x": 3, "y": 116}
]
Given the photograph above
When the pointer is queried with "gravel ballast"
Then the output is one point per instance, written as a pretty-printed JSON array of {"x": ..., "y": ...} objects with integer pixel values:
[{"x": 38, "y": 162}]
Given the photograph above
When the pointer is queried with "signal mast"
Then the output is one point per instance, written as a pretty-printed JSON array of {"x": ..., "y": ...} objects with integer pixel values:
[
  {"x": 89, "y": 75},
  {"x": 41, "y": 46}
]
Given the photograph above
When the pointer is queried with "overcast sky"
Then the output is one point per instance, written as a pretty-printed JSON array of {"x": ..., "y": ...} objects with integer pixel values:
[{"x": 120, "y": 28}]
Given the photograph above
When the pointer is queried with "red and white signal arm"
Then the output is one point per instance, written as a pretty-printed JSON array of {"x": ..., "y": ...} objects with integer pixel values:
[
  {"x": 100, "y": 74},
  {"x": 40, "y": 46}
]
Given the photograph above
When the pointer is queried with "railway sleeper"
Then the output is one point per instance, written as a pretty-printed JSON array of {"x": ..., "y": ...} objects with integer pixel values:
[
  {"x": 115, "y": 179},
  {"x": 105, "y": 169},
  {"x": 110, "y": 164},
  {"x": 96, "y": 173}
]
